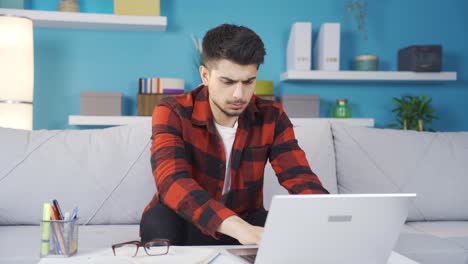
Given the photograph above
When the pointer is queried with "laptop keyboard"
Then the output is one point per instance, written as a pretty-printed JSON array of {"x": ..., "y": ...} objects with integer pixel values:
[
  {"x": 249, "y": 258},
  {"x": 247, "y": 254}
]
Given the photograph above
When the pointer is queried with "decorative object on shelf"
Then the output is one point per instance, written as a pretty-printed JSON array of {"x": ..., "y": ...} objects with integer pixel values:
[
  {"x": 299, "y": 49},
  {"x": 358, "y": 10},
  {"x": 16, "y": 72},
  {"x": 327, "y": 48},
  {"x": 420, "y": 58},
  {"x": 160, "y": 86},
  {"x": 413, "y": 112},
  {"x": 147, "y": 102},
  {"x": 69, "y": 6},
  {"x": 100, "y": 103},
  {"x": 342, "y": 109},
  {"x": 264, "y": 87},
  {"x": 366, "y": 63},
  {"x": 137, "y": 8},
  {"x": 302, "y": 106},
  {"x": 197, "y": 57}
]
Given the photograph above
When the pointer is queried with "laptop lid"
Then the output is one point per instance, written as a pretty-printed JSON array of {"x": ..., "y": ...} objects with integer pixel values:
[{"x": 343, "y": 228}]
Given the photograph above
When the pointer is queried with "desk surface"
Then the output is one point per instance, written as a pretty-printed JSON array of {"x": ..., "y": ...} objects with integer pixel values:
[{"x": 179, "y": 255}]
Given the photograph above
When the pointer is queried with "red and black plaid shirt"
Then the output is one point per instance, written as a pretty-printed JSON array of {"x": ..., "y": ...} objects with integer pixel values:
[{"x": 188, "y": 159}]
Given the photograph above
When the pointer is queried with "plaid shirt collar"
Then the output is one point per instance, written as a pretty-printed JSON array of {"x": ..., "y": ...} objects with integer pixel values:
[{"x": 202, "y": 115}]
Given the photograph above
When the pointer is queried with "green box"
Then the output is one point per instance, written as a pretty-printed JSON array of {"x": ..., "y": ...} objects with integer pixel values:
[{"x": 264, "y": 87}]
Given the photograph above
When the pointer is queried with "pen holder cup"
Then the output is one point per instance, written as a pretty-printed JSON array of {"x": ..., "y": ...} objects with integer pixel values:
[{"x": 59, "y": 238}]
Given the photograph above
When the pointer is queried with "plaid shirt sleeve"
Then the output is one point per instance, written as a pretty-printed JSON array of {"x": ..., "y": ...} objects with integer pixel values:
[
  {"x": 289, "y": 161},
  {"x": 177, "y": 189}
]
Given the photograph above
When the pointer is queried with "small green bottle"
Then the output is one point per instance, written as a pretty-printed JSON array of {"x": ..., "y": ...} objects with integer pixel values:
[{"x": 341, "y": 109}]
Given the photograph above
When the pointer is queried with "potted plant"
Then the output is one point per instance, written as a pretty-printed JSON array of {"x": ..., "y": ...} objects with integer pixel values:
[{"x": 413, "y": 112}]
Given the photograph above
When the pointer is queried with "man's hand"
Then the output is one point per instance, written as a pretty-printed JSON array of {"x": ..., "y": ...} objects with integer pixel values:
[{"x": 236, "y": 227}]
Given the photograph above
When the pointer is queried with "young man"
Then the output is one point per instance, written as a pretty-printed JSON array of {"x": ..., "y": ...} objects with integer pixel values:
[{"x": 210, "y": 147}]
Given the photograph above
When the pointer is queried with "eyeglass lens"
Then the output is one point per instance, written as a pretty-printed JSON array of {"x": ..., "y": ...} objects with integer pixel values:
[
  {"x": 155, "y": 248},
  {"x": 126, "y": 250}
]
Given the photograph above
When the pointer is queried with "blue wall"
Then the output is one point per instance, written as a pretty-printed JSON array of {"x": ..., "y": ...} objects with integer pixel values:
[{"x": 67, "y": 61}]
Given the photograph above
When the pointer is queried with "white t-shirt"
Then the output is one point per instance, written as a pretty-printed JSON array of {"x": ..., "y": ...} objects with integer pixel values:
[{"x": 227, "y": 134}]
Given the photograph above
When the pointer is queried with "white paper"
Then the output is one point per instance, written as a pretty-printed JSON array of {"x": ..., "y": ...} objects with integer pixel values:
[{"x": 176, "y": 255}]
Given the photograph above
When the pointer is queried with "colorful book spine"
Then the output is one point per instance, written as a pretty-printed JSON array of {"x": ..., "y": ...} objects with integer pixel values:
[{"x": 160, "y": 86}]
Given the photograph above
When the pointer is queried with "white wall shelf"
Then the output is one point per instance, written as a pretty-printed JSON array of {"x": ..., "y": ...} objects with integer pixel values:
[
  {"x": 126, "y": 120},
  {"x": 72, "y": 20},
  {"x": 380, "y": 76},
  {"x": 365, "y": 122}
]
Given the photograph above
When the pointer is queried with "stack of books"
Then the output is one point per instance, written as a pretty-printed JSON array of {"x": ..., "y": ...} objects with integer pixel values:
[
  {"x": 152, "y": 90},
  {"x": 160, "y": 86}
]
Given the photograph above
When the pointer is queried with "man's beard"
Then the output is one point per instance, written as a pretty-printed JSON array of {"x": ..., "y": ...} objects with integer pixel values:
[{"x": 228, "y": 113}]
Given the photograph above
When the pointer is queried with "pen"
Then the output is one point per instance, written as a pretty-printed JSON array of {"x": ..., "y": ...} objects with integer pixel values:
[
  {"x": 66, "y": 231},
  {"x": 74, "y": 213},
  {"x": 55, "y": 202}
]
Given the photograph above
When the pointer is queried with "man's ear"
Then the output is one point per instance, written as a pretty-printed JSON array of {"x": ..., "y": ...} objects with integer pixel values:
[{"x": 204, "y": 74}]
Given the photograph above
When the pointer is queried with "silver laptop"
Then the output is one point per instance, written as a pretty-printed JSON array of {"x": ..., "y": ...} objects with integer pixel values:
[{"x": 343, "y": 228}]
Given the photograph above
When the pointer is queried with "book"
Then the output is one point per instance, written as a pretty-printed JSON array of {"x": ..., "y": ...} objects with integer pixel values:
[
  {"x": 160, "y": 86},
  {"x": 168, "y": 85},
  {"x": 299, "y": 50}
]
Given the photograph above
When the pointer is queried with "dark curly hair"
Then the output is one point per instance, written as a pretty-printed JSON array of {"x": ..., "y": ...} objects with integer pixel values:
[{"x": 238, "y": 44}]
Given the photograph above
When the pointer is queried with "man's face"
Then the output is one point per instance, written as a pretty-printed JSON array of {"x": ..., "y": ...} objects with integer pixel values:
[{"x": 230, "y": 86}]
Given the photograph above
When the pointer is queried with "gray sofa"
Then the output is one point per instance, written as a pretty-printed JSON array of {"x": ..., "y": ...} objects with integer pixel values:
[{"x": 106, "y": 172}]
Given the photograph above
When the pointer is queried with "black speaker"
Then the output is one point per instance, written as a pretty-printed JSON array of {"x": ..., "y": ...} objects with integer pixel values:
[{"x": 420, "y": 58}]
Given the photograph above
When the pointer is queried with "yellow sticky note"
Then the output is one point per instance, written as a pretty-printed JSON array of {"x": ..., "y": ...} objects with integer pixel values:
[{"x": 137, "y": 7}]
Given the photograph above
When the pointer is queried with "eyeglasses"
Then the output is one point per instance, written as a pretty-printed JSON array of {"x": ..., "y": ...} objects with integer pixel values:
[{"x": 156, "y": 247}]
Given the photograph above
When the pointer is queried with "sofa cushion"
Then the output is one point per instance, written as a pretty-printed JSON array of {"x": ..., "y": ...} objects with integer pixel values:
[
  {"x": 433, "y": 165},
  {"x": 106, "y": 172},
  {"x": 455, "y": 232},
  {"x": 315, "y": 138},
  {"x": 429, "y": 249}
]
